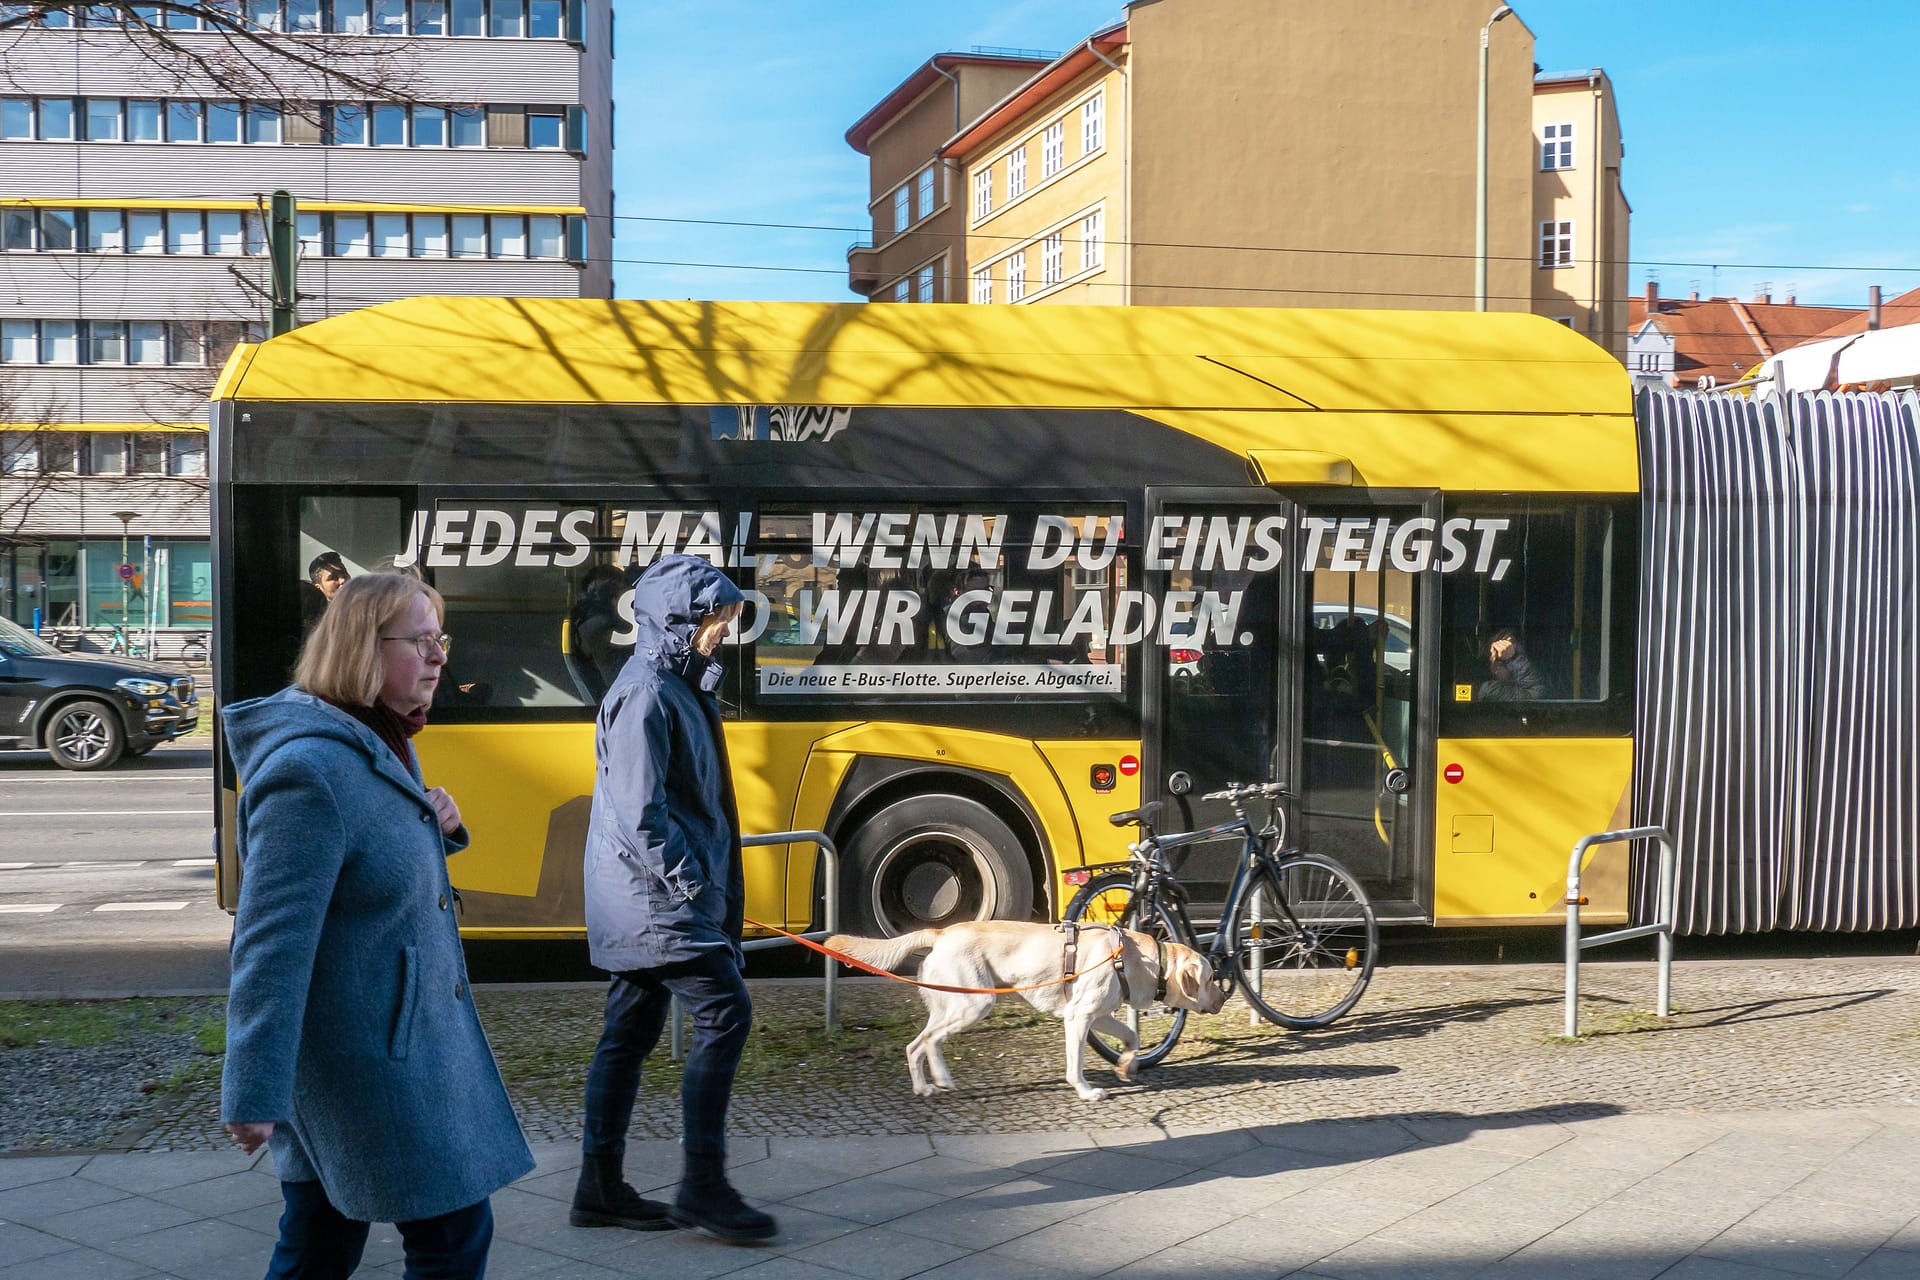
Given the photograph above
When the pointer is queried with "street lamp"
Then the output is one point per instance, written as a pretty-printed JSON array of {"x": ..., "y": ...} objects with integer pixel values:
[
  {"x": 1480, "y": 175},
  {"x": 125, "y": 518}
]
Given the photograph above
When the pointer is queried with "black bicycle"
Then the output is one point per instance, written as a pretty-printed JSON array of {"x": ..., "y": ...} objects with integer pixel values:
[{"x": 1297, "y": 934}]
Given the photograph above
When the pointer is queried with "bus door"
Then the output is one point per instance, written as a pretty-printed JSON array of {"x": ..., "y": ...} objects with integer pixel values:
[
  {"x": 1359, "y": 764},
  {"x": 1222, "y": 571}
]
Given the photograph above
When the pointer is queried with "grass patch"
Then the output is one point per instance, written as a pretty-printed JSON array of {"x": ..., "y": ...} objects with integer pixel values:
[{"x": 95, "y": 1024}]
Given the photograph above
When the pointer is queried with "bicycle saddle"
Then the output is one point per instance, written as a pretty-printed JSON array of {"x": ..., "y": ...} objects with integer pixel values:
[{"x": 1145, "y": 813}]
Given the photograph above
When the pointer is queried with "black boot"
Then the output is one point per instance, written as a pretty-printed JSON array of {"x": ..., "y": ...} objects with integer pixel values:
[
  {"x": 602, "y": 1198},
  {"x": 707, "y": 1202}
]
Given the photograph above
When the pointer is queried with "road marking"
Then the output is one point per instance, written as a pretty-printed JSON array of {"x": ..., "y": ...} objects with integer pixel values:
[
  {"x": 140, "y": 906},
  {"x": 14, "y": 866},
  {"x": 28, "y": 908},
  {"x": 106, "y": 813},
  {"x": 194, "y": 862}
]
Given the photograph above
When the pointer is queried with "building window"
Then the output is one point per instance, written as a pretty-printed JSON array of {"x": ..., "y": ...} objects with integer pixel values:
[
  {"x": 901, "y": 289},
  {"x": 183, "y": 121},
  {"x": 146, "y": 231},
  {"x": 106, "y": 342},
  {"x": 1053, "y": 148},
  {"x": 1016, "y": 172},
  {"x": 1017, "y": 276},
  {"x": 983, "y": 286},
  {"x": 923, "y": 194},
  {"x": 1052, "y": 258},
  {"x": 1649, "y": 362},
  {"x": 19, "y": 342},
  {"x": 56, "y": 119},
  {"x": 263, "y": 123},
  {"x": 507, "y": 236},
  {"x": 1556, "y": 146},
  {"x": 983, "y": 192},
  {"x": 345, "y": 125},
  {"x": 103, "y": 119},
  {"x": 391, "y": 238},
  {"x": 223, "y": 122},
  {"x": 546, "y": 130},
  {"x": 1092, "y": 123},
  {"x": 506, "y": 17},
  {"x": 59, "y": 342},
  {"x": 186, "y": 231},
  {"x": 469, "y": 235},
  {"x": 1556, "y": 244},
  {"x": 923, "y": 285},
  {"x": 429, "y": 126},
  {"x": 902, "y": 213},
  {"x": 106, "y": 231},
  {"x": 350, "y": 234},
  {"x": 389, "y": 126},
  {"x": 1092, "y": 240},
  {"x": 56, "y": 230},
  {"x": 16, "y": 119}
]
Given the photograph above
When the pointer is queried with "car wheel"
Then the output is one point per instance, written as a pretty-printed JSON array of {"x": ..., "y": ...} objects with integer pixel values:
[
  {"x": 932, "y": 861},
  {"x": 85, "y": 735}
]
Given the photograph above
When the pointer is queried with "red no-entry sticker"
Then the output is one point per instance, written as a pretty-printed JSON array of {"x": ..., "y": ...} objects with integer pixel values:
[
  {"x": 1129, "y": 765},
  {"x": 1454, "y": 773}
]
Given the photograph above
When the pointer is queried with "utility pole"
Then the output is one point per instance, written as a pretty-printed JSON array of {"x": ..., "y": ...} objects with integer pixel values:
[{"x": 283, "y": 244}]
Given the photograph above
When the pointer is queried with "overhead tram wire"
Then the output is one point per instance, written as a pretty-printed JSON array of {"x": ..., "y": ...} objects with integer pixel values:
[{"x": 1138, "y": 244}]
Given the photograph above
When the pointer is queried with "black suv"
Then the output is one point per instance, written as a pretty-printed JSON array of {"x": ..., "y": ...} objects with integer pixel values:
[{"x": 87, "y": 711}]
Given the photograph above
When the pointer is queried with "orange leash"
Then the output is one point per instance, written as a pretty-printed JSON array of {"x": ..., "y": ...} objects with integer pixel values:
[{"x": 878, "y": 972}]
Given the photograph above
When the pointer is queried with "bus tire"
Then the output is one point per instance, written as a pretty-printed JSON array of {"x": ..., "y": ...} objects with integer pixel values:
[{"x": 927, "y": 862}]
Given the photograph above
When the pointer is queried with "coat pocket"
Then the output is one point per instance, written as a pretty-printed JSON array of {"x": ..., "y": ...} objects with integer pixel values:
[{"x": 402, "y": 1037}]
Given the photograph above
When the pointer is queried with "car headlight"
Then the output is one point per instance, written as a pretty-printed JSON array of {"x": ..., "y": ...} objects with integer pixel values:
[{"x": 143, "y": 687}]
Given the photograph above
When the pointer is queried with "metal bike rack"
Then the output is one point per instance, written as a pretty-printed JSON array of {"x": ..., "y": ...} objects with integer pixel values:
[
  {"x": 830, "y": 915},
  {"x": 1666, "y": 904}
]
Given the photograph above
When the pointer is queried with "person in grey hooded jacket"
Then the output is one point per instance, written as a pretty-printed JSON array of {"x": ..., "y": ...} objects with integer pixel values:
[
  {"x": 353, "y": 1047},
  {"x": 664, "y": 899}
]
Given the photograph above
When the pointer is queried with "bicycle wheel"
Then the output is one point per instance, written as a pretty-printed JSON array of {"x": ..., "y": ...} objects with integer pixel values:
[
  {"x": 1108, "y": 899},
  {"x": 1304, "y": 943}
]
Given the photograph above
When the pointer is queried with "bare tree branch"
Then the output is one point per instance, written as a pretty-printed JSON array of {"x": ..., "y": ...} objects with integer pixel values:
[{"x": 229, "y": 53}]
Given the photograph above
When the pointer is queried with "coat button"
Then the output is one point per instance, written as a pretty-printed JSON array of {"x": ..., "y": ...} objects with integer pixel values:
[
  {"x": 460, "y": 991},
  {"x": 426, "y": 817},
  {"x": 443, "y": 902}
]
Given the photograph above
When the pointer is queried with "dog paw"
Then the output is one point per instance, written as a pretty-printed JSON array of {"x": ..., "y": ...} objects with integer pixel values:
[
  {"x": 1093, "y": 1095},
  {"x": 1126, "y": 1068},
  {"x": 926, "y": 1090}
]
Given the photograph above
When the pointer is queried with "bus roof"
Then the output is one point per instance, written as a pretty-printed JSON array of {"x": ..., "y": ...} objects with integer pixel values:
[{"x": 1459, "y": 400}]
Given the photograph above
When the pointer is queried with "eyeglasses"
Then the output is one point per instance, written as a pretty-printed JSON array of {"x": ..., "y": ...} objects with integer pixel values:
[{"x": 427, "y": 645}]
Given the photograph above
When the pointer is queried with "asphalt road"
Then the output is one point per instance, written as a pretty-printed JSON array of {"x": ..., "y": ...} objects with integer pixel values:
[{"x": 106, "y": 880}]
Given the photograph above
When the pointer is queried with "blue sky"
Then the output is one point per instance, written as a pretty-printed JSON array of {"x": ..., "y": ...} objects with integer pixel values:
[{"x": 1764, "y": 139}]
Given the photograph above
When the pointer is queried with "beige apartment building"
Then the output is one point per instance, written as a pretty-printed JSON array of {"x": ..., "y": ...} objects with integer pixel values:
[{"x": 1254, "y": 152}]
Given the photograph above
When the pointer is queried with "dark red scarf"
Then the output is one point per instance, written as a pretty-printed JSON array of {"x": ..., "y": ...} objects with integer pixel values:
[{"x": 388, "y": 725}]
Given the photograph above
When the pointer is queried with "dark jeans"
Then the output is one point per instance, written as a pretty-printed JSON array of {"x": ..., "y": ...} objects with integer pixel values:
[
  {"x": 637, "y": 1004},
  {"x": 318, "y": 1242}
]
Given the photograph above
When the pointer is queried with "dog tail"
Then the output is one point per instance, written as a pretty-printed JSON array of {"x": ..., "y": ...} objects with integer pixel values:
[{"x": 885, "y": 953}]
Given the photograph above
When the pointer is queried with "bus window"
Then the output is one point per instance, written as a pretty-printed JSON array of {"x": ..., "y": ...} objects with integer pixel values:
[
  {"x": 1541, "y": 642},
  {"x": 341, "y": 538},
  {"x": 922, "y": 605}
]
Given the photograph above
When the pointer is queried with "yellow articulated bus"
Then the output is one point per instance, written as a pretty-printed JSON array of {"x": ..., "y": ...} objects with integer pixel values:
[{"x": 1011, "y": 570}]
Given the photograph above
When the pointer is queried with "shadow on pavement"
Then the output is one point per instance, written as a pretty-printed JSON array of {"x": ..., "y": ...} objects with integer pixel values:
[{"x": 167, "y": 759}]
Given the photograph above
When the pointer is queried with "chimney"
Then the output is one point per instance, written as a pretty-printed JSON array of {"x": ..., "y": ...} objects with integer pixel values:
[
  {"x": 1653, "y": 295},
  {"x": 1694, "y": 296},
  {"x": 1767, "y": 298},
  {"x": 1791, "y": 300},
  {"x": 1873, "y": 307}
]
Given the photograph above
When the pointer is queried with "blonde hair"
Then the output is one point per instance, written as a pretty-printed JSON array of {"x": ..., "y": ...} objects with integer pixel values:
[{"x": 342, "y": 658}]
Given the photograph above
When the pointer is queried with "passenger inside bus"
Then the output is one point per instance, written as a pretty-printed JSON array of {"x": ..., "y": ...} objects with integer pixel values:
[{"x": 1514, "y": 678}]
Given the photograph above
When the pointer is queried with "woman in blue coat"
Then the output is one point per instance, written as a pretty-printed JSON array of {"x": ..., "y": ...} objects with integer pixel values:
[
  {"x": 353, "y": 1047},
  {"x": 664, "y": 897}
]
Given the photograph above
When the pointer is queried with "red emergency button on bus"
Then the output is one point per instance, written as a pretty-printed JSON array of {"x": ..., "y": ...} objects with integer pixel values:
[
  {"x": 1129, "y": 765},
  {"x": 1454, "y": 773}
]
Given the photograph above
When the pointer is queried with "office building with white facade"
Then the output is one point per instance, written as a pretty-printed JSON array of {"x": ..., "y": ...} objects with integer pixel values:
[{"x": 133, "y": 248}]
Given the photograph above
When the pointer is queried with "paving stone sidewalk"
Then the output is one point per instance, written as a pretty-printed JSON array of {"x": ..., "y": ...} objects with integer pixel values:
[
  {"x": 1745, "y": 1036},
  {"x": 1443, "y": 1131}
]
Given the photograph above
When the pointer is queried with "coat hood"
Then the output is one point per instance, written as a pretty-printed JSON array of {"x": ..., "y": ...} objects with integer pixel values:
[
  {"x": 258, "y": 727},
  {"x": 669, "y": 602}
]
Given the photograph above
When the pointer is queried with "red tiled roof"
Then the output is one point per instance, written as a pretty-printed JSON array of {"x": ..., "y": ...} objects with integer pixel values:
[
  {"x": 1062, "y": 70},
  {"x": 910, "y": 89},
  {"x": 1725, "y": 337},
  {"x": 1904, "y": 309}
]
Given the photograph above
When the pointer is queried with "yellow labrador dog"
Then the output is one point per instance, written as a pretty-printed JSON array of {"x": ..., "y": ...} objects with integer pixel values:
[{"x": 1007, "y": 953}]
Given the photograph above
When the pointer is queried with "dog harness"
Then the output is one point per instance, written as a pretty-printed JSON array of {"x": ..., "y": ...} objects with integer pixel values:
[{"x": 1070, "y": 958}]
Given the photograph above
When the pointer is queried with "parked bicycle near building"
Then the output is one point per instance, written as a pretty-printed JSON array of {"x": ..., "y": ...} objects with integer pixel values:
[{"x": 1297, "y": 934}]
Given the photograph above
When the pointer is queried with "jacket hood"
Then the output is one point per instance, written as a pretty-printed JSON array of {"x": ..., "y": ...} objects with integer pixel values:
[
  {"x": 669, "y": 602},
  {"x": 258, "y": 727}
]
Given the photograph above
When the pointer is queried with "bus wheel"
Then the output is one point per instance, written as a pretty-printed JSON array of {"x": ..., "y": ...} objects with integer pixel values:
[{"x": 932, "y": 861}]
